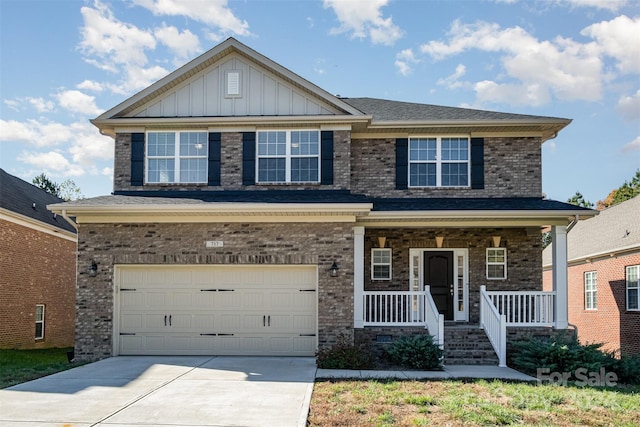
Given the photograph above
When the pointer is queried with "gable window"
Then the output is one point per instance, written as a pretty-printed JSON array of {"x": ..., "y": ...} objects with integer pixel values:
[
  {"x": 39, "y": 321},
  {"x": 496, "y": 263},
  {"x": 633, "y": 287},
  {"x": 288, "y": 156},
  {"x": 590, "y": 290},
  {"x": 439, "y": 162},
  {"x": 177, "y": 157},
  {"x": 381, "y": 264}
]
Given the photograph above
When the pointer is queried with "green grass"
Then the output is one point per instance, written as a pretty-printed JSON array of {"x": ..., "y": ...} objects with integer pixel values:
[
  {"x": 470, "y": 403},
  {"x": 18, "y": 366}
]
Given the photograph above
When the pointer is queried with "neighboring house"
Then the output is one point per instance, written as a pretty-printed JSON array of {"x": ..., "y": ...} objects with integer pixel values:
[
  {"x": 604, "y": 267},
  {"x": 37, "y": 269},
  {"x": 254, "y": 213}
]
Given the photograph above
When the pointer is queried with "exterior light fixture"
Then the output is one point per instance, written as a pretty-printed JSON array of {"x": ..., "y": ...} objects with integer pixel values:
[
  {"x": 334, "y": 269},
  {"x": 93, "y": 269}
]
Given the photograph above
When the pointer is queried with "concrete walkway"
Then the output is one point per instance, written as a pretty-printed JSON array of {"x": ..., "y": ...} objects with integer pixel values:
[
  {"x": 169, "y": 391},
  {"x": 449, "y": 372}
]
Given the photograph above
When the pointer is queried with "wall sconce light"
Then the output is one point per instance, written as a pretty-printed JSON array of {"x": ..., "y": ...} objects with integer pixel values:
[
  {"x": 381, "y": 241},
  {"x": 496, "y": 241},
  {"x": 93, "y": 269},
  {"x": 439, "y": 241},
  {"x": 334, "y": 269}
]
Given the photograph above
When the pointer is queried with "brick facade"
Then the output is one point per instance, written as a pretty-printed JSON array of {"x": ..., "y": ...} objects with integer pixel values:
[
  {"x": 610, "y": 323},
  {"x": 512, "y": 168},
  {"x": 231, "y": 167},
  {"x": 175, "y": 244},
  {"x": 36, "y": 268}
]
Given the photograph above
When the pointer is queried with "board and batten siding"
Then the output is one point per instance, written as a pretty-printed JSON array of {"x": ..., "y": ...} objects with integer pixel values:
[{"x": 261, "y": 94}]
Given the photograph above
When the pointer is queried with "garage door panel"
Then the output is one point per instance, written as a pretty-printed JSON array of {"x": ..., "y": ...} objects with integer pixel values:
[{"x": 220, "y": 310}]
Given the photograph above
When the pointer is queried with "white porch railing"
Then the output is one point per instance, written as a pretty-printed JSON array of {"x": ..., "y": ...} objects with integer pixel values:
[
  {"x": 405, "y": 308},
  {"x": 524, "y": 308},
  {"x": 435, "y": 320},
  {"x": 384, "y": 308},
  {"x": 495, "y": 326}
]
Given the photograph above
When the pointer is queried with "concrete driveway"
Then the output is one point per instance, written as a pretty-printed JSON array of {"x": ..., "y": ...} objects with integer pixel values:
[{"x": 168, "y": 391}]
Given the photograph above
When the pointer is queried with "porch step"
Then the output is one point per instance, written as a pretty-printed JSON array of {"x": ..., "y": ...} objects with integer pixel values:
[{"x": 467, "y": 345}]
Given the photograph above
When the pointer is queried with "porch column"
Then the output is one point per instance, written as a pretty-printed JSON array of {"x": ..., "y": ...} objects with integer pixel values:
[
  {"x": 358, "y": 277},
  {"x": 560, "y": 276}
]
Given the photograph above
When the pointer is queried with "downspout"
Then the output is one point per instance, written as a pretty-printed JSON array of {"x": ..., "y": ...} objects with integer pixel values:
[
  {"x": 573, "y": 223},
  {"x": 68, "y": 219}
]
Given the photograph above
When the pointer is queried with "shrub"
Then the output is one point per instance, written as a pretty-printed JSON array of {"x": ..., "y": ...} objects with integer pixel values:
[
  {"x": 566, "y": 354},
  {"x": 419, "y": 352},
  {"x": 344, "y": 355}
]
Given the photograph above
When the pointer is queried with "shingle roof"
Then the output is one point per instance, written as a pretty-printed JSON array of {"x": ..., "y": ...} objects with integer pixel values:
[
  {"x": 474, "y": 204},
  {"x": 26, "y": 199},
  {"x": 386, "y": 110},
  {"x": 615, "y": 229}
]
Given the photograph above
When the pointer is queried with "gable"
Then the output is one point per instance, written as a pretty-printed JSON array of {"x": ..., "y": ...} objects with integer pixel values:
[{"x": 235, "y": 86}]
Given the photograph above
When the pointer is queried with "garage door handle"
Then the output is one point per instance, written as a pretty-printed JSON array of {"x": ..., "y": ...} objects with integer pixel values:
[
  {"x": 307, "y": 335},
  {"x": 264, "y": 321},
  {"x": 169, "y": 320},
  {"x": 269, "y": 320},
  {"x": 165, "y": 320}
]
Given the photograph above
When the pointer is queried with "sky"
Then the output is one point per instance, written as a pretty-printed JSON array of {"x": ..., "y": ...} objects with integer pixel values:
[{"x": 64, "y": 62}]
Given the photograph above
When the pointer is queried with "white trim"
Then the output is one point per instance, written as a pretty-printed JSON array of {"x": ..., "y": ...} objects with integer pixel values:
[
  {"x": 560, "y": 276},
  {"x": 288, "y": 157},
  {"x": 176, "y": 157},
  {"x": 36, "y": 225},
  {"x": 358, "y": 277},
  {"x": 439, "y": 161},
  {"x": 593, "y": 292}
]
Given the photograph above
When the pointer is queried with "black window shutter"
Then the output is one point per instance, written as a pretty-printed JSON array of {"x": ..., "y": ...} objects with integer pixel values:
[
  {"x": 402, "y": 163},
  {"x": 215, "y": 148},
  {"x": 326, "y": 157},
  {"x": 477, "y": 163},
  {"x": 248, "y": 158},
  {"x": 137, "y": 159}
]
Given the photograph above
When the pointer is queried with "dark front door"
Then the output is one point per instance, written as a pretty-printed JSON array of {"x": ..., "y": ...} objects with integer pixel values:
[{"x": 438, "y": 274}]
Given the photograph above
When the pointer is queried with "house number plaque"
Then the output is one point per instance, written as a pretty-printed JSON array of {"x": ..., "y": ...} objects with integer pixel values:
[{"x": 214, "y": 244}]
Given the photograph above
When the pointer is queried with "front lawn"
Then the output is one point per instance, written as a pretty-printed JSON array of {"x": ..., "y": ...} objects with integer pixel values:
[
  {"x": 18, "y": 366},
  {"x": 478, "y": 403}
]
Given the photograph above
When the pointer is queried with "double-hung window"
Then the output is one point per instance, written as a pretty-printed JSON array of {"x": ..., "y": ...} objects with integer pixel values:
[
  {"x": 177, "y": 157},
  {"x": 381, "y": 264},
  {"x": 590, "y": 290},
  {"x": 288, "y": 156},
  {"x": 39, "y": 321},
  {"x": 439, "y": 162},
  {"x": 496, "y": 263},
  {"x": 633, "y": 287}
]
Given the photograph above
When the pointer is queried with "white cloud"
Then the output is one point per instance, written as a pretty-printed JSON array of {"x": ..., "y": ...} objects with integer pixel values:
[
  {"x": 52, "y": 161},
  {"x": 113, "y": 41},
  {"x": 39, "y": 134},
  {"x": 629, "y": 107},
  {"x": 215, "y": 13},
  {"x": 632, "y": 146},
  {"x": 404, "y": 61},
  {"x": 14, "y": 104},
  {"x": 364, "y": 19},
  {"x": 453, "y": 81},
  {"x": 183, "y": 44},
  {"x": 536, "y": 69},
  {"x": 618, "y": 39},
  {"x": 91, "y": 86},
  {"x": 78, "y": 102},
  {"x": 41, "y": 105},
  {"x": 612, "y": 5}
]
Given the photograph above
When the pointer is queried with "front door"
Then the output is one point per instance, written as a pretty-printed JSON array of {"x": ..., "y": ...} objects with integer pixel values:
[{"x": 438, "y": 274}]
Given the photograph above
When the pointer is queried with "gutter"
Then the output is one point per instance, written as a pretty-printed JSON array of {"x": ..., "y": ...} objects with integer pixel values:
[{"x": 64, "y": 215}]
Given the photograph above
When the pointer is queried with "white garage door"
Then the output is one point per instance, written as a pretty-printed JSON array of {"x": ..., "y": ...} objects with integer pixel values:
[{"x": 216, "y": 310}]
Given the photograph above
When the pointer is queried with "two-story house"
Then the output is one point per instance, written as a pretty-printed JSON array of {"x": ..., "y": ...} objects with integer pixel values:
[{"x": 254, "y": 213}]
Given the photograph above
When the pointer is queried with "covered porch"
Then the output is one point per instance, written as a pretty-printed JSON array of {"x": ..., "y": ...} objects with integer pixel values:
[{"x": 421, "y": 296}]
